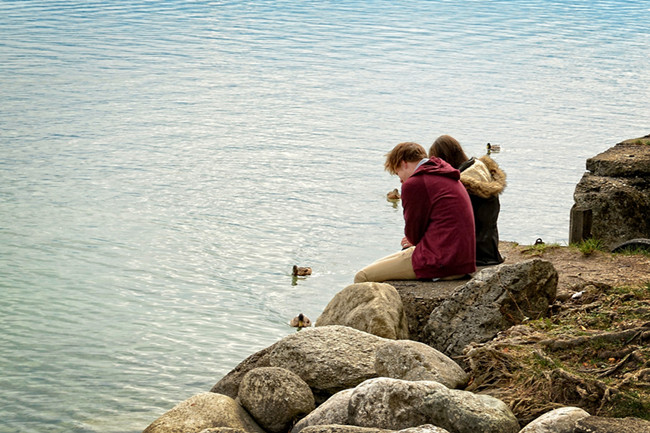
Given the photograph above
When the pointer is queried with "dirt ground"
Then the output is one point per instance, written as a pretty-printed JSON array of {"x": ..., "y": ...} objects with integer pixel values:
[{"x": 576, "y": 269}]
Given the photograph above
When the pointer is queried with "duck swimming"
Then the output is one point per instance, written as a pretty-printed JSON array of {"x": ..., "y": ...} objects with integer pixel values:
[
  {"x": 493, "y": 147},
  {"x": 300, "y": 321},
  {"x": 393, "y": 195},
  {"x": 299, "y": 271}
]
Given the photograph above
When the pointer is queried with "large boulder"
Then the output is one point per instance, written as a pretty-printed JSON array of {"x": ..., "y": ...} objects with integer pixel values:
[
  {"x": 612, "y": 200},
  {"x": 229, "y": 384},
  {"x": 276, "y": 398},
  {"x": 410, "y": 360},
  {"x": 375, "y": 308},
  {"x": 494, "y": 300},
  {"x": 204, "y": 411},
  {"x": 334, "y": 358},
  {"x": 222, "y": 430},
  {"x": 466, "y": 412},
  {"x": 397, "y": 404},
  {"x": 337, "y": 428},
  {"x": 391, "y": 403},
  {"x": 597, "y": 424},
  {"x": 333, "y": 412},
  {"x": 560, "y": 420},
  {"x": 428, "y": 428},
  {"x": 328, "y": 358}
]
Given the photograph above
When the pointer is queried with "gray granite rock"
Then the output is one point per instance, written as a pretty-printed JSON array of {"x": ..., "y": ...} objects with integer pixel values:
[
  {"x": 337, "y": 428},
  {"x": 375, "y": 308},
  {"x": 596, "y": 424},
  {"x": 397, "y": 404},
  {"x": 203, "y": 411},
  {"x": 229, "y": 384},
  {"x": 494, "y": 300},
  {"x": 466, "y": 412},
  {"x": 428, "y": 428},
  {"x": 410, "y": 360},
  {"x": 391, "y": 403},
  {"x": 332, "y": 412},
  {"x": 275, "y": 397},
  {"x": 560, "y": 420},
  {"x": 222, "y": 430},
  {"x": 329, "y": 358},
  {"x": 333, "y": 358}
]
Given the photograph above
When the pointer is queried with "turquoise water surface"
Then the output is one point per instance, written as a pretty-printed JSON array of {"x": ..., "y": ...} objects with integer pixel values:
[{"x": 164, "y": 164}]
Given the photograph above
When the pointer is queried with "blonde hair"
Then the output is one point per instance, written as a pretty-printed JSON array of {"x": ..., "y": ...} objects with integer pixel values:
[{"x": 407, "y": 151}]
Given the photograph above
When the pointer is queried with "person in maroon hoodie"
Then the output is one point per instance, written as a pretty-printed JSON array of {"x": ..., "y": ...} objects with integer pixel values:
[{"x": 439, "y": 240}]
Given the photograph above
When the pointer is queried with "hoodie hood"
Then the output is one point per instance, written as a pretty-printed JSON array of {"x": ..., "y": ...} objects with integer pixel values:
[
  {"x": 484, "y": 178},
  {"x": 437, "y": 167}
]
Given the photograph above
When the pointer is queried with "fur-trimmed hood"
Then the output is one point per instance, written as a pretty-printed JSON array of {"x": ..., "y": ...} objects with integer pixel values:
[{"x": 484, "y": 178}]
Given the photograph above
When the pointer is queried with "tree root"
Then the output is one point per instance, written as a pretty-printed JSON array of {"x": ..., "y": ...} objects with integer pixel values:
[
  {"x": 627, "y": 336},
  {"x": 616, "y": 354},
  {"x": 504, "y": 370},
  {"x": 636, "y": 378},
  {"x": 635, "y": 355}
]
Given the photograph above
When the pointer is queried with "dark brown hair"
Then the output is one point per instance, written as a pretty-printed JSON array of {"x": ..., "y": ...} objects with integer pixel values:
[
  {"x": 448, "y": 149},
  {"x": 407, "y": 151}
]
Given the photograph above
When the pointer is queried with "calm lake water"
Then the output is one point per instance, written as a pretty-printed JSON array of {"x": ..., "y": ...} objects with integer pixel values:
[{"x": 164, "y": 164}]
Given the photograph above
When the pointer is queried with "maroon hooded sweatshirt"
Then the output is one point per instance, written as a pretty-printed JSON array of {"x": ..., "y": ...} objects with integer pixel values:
[{"x": 439, "y": 221}]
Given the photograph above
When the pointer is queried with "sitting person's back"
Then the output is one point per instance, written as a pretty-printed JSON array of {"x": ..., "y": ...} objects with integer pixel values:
[
  {"x": 438, "y": 221},
  {"x": 439, "y": 224},
  {"x": 484, "y": 181}
]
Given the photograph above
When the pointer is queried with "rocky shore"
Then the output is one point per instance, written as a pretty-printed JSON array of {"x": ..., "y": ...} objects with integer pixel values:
[
  {"x": 554, "y": 340},
  {"x": 336, "y": 378}
]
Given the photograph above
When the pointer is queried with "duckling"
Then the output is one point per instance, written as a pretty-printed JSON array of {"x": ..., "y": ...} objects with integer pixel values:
[
  {"x": 393, "y": 195},
  {"x": 299, "y": 271},
  {"x": 493, "y": 147},
  {"x": 300, "y": 321}
]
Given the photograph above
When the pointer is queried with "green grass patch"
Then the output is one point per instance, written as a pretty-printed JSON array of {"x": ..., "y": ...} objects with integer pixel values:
[
  {"x": 628, "y": 292},
  {"x": 626, "y": 403},
  {"x": 634, "y": 251},
  {"x": 589, "y": 246},
  {"x": 539, "y": 249}
]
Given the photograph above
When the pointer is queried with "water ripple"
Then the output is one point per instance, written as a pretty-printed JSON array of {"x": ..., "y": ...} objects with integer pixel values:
[{"x": 164, "y": 164}]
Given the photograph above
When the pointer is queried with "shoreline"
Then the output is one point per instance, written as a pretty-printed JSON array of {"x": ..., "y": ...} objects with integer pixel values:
[{"x": 607, "y": 280}]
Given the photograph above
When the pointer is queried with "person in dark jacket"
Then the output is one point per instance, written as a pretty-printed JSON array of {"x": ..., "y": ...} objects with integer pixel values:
[
  {"x": 484, "y": 181},
  {"x": 438, "y": 221}
]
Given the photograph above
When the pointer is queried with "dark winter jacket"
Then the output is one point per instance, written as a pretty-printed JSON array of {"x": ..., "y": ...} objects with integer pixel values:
[
  {"x": 484, "y": 181},
  {"x": 439, "y": 221}
]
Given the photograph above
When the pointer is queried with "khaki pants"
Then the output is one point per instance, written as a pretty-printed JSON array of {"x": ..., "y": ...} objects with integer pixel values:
[{"x": 394, "y": 267}]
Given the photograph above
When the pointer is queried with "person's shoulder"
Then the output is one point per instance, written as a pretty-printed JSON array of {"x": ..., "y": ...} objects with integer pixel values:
[
  {"x": 484, "y": 178},
  {"x": 489, "y": 163},
  {"x": 467, "y": 164},
  {"x": 413, "y": 183}
]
